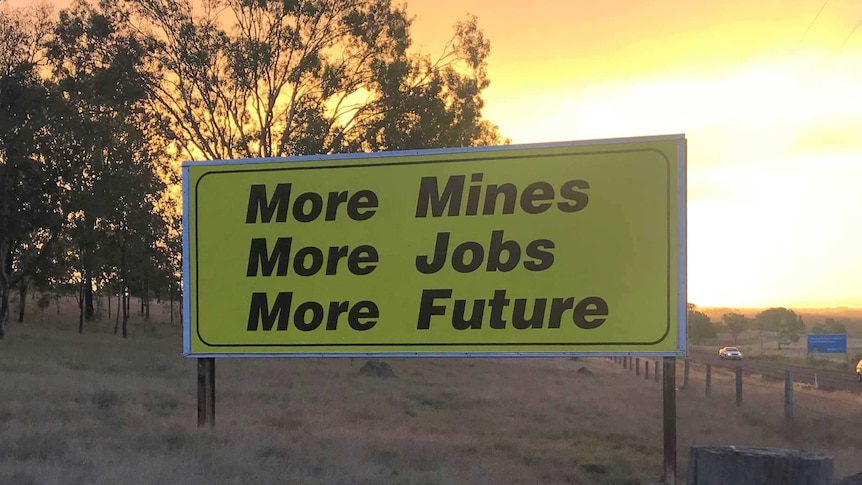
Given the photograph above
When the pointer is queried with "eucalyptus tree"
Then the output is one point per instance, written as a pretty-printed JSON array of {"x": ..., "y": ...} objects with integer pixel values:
[
  {"x": 99, "y": 66},
  {"x": 33, "y": 178},
  {"x": 260, "y": 78}
]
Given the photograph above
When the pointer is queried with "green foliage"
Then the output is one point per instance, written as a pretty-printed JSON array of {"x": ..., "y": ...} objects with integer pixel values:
[
  {"x": 700, "y": 328},
  {"x": 82, "y": 169},
  {"x": 33, "y": 123},
  {"x": 112, "y": 222},
  {"x": 829, "y": 326},
  {"x": 271, "y": 78},
  {"x": 785, "y": 323},
  {"x": 735, "y": 323},
  {"x": 94, "y": 101}
]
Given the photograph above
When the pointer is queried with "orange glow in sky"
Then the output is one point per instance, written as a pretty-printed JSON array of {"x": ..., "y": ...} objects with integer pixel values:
[
  {"x": 772, "y": 113},
  {"x": 769, "y": 101}
]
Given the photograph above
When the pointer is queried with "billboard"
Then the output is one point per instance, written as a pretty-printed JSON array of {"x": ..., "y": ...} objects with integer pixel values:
[
  {"x": 826, "y": 343},
  {"x": 573, "y": 248}
]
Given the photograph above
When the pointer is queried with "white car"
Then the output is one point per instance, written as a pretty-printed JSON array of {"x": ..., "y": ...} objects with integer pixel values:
[{"x": 731, "y": 353}]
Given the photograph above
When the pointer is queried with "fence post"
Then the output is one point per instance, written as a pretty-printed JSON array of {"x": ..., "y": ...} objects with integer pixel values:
[
  {"x": 707, "y": 390},
  {"x": 738, "y": 385},
  {"x": 657, "y": 371},
  {"x": 685, "y": 375},
  {"x": 625, "y": 362},
  {"x": 637, "y": 366},
  {"x": 788, "y": 397},
  {"x": 646, "y": 369}
]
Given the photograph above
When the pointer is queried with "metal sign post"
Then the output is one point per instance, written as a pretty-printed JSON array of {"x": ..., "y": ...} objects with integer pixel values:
[{"x": 206, "y": 391}]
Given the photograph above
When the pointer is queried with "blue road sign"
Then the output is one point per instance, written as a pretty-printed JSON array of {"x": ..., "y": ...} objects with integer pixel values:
[{"x": 827, "y": 343}]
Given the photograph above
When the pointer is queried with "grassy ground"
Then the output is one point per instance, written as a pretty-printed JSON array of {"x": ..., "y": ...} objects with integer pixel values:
[{"x": 96, "y": 409}]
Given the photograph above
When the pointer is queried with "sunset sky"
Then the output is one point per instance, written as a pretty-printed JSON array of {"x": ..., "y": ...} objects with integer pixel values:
[
  {"x": 767, "y": 93},
  {"x": 772, "y": 111}
]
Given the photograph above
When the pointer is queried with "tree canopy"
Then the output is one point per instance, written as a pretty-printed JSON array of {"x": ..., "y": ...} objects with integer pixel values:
[
  {"x": 736, "y": 323},
  {"x": 700, "y": 328},
  {"x": 32, "y": 145},
  {"x": 98, "y": 103},
  {"x": 786, "y": 324},
  {"x": 269, "y": 78},
  {"x": 829, "y": 326}
]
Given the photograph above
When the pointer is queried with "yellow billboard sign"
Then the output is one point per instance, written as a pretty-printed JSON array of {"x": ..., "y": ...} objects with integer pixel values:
[{"x": 573, "y": 248}]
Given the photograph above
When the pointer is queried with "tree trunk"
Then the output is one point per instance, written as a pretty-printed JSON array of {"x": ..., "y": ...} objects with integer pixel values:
[
  {"x": 89, "y": 310},
  {"x": 146, "y": 295},
  {"x": 81, "y": 307},
  {"x": 117, "y": 321},
  {"x": 4, "y": 302},
  {"x": 22, "y": 299},
  {"x": 5, "y": 273},
  {"x": 108, "y": 287},
  {"x": 171, "y": 292},
  {"x": 125, "y": 298}
]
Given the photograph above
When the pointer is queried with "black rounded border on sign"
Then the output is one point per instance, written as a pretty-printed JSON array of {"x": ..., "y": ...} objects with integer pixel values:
[{"x": 427, "y": 162}]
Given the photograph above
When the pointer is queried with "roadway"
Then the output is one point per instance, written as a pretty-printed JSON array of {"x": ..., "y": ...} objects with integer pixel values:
[{"x": 827, "y": 379}]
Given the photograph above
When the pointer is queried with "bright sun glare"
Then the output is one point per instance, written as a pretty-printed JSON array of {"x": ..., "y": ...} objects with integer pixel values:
[{"x": 771, "y": 217}]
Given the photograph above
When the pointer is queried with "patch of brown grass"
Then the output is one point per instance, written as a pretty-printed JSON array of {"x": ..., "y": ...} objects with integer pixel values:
[{"x": 97, "y": 409}]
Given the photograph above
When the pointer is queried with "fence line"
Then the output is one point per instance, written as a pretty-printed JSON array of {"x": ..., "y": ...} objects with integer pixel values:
[{"x": 794, "y": 396}]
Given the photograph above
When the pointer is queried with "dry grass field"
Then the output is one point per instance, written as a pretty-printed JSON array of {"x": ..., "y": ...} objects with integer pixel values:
[{"x": 97, "y": 409}]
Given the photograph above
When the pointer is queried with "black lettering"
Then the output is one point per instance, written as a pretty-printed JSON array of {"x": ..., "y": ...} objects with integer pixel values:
[
  {"x": 259, "y": 204},
  {"x": 258, "y": 256},
  {"x": 496, "y": 250},
  {"x": 497, "y": 304},
  {"x": 592, "y": 306},
  {"x": 579, "y": 199},
  {"x": 427, "y": 308},
  {"x": 335, "y": 255},
  {"x": 363, "y": 310},
  {"x": 542, "y": 257},
  {"x": 536, "y": 191},
  {"x": 336, "y": 308},
  {"x": 299, "y": 261},
  {"x": 509, "y": 192},
  {"x": 519, "y": 313},
  {"x": 363, "y": 199},
  {"x": 300, "y": 319},
  {"x": 460, "y": 322},
  {"x": 473, "y": 195},
  {"x": 362, "y": 255},
  {"x": 459, "y": 257},
  {"x": 316, "y": 207},
  {"x": 425, "y": 265},
  {"x": 558, "y": 307},
  {"x": 429, "y": 195},
  {"x": 335, "y": 199},
  {"x": 259, "y": 312}
]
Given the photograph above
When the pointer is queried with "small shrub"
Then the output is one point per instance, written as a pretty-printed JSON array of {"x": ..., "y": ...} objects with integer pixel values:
[
  {"x": 594, "y": 468},
  {"x": 105, "y": 399}
]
